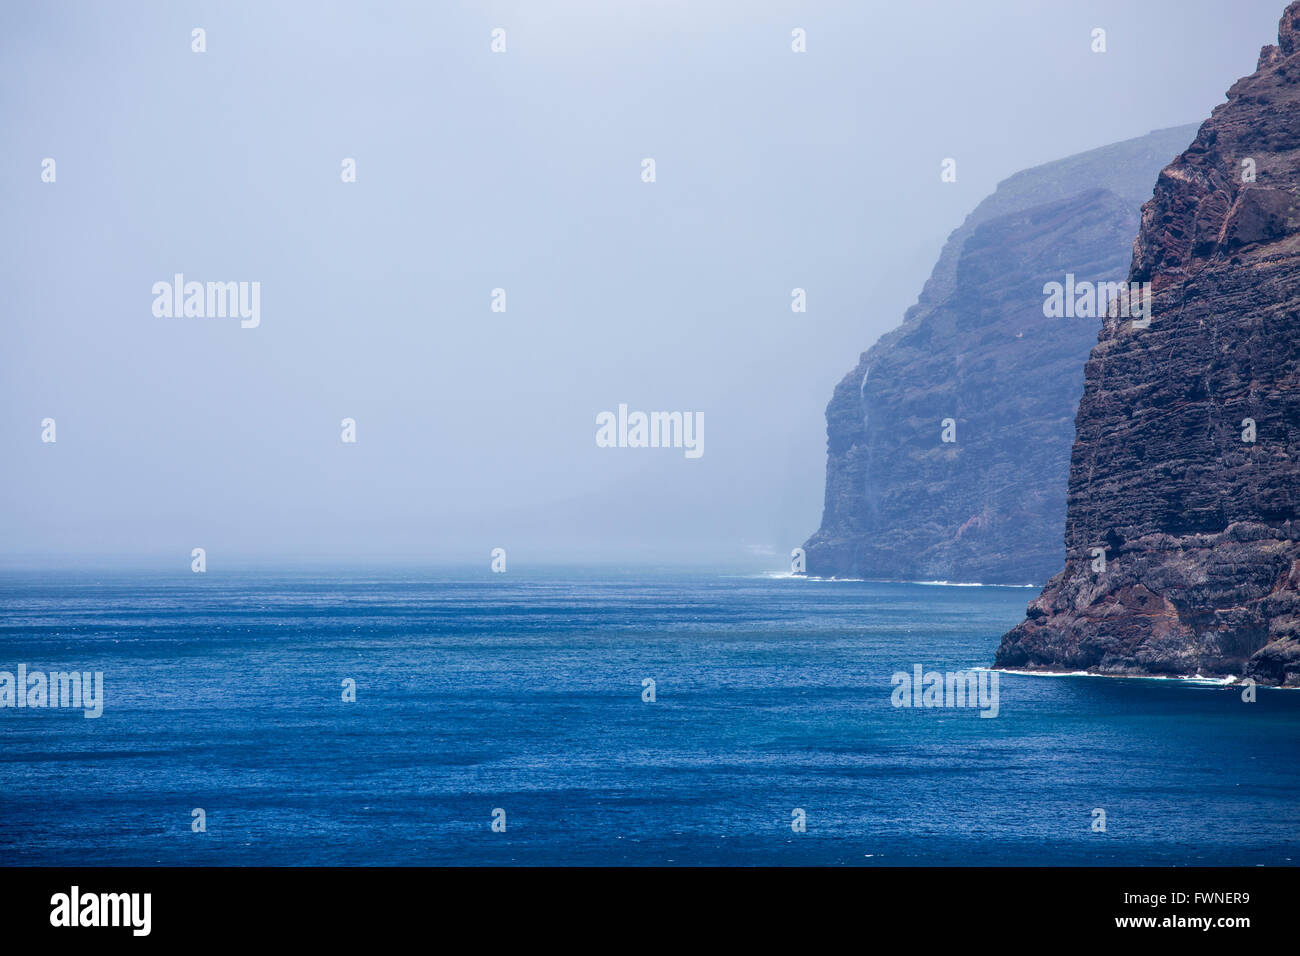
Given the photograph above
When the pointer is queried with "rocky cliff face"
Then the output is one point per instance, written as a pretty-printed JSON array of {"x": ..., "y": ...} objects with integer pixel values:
[
  {"x": 1182, "y": 550},
  {"x": 902, "y": 503}
]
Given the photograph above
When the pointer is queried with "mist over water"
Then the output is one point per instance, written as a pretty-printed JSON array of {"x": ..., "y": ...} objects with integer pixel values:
[
  {"x": 412, "y": 417},
  {"x": 519, "y": 171}
]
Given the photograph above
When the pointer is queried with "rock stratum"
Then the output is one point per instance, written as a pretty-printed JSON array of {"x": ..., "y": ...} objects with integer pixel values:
[
  {"x": 901, "y": 503},
  {"x": 1197, "y": 524}
]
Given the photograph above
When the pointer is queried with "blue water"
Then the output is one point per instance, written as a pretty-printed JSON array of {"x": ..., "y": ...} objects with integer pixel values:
[{"x": 524, "y": 692}]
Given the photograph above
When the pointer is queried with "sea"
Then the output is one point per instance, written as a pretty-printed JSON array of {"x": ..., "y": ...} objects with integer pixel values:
[{"x": 590, "y": 717}]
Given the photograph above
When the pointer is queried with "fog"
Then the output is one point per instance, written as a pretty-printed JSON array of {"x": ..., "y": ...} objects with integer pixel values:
[{"x": 522, "y": 171}]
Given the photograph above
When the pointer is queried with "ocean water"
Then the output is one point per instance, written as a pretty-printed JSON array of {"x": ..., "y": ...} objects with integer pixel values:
[{"x": 523, "y": 692}]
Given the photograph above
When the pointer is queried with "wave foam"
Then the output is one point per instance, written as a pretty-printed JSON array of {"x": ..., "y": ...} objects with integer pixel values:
[{"x": 1193, "y": 679}]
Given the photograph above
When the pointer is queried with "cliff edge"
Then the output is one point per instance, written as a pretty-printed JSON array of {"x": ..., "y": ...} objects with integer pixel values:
[
  {"x": 984, "y": 500},
  {"x": 1182, "y": 528}
]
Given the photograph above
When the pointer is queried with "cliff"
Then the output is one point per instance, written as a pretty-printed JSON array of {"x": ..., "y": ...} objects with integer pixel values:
[
  {"x": 901, "y": 503},
  {"x": 1185, "y": 469}
]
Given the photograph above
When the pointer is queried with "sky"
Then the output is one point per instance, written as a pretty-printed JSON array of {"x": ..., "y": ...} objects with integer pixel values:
[{"x": 519, "y": 170}]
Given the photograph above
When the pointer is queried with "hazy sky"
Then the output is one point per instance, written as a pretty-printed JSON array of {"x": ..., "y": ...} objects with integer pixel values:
[{"x": 518, "y": 170}]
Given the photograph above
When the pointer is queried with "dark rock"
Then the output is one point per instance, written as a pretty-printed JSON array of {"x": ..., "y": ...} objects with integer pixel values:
[
  {"x": 901, "y": 504},
  {"x": 1204, "y": 576}
]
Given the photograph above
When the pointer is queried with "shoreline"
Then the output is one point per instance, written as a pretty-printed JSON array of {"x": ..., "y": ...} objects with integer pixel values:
[
  {"x": 781, "y": 575},
  {"x": 1189, "y": 679}
]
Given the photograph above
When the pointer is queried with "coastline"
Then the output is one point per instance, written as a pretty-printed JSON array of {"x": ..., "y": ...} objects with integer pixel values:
[
  {"x": 1185, "y": 678},
  {"x": 779, "y": 575}
]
